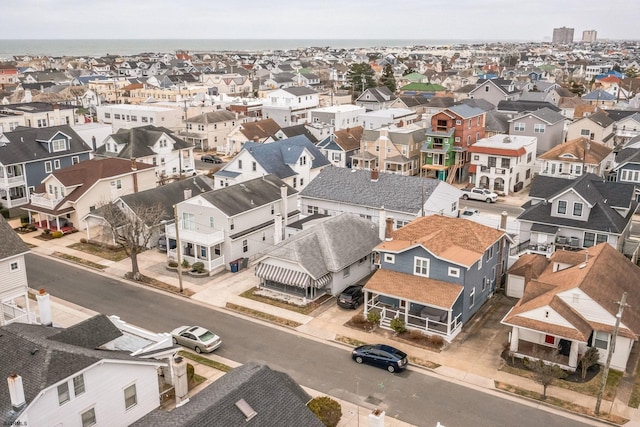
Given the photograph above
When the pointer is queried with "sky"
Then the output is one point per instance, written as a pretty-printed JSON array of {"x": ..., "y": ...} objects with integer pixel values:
[{"x": 508, "y": 20}]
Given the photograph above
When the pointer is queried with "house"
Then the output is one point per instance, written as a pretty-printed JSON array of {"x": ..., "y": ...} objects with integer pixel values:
[
  {"x": 340, "y": 147},
  {"x": 377, "y": 195},
  {"x": 576, "y": 157},
  {"x": 67, "y": 195},
  {"x": 37, "y": 115},
  {"x": 322, "y": 259},
  {"x": 376, "y": 98},
  {"x": 129, "y": 116},
  {"x": 495, "y": 90},
  {"x": 65, "y": 376},
  {"x": 261, "y": 131},
  {"x": 232, "y": 84},
  {"x": 14, "y": 289},
  {"x": 546, "y": 125},
  {"x": 600, "y": 98},
  {"x": 626, "y": 129},
  {"x": 28, "y": 155},
  {"x": 210, "y": 130},
  {"x": 376, "y": 119},
  {"x": 570, "y": 303},
  {"x": 251, "y": 394},
  {"x": 338, "y": 116},
  {"x": 503, "y": 163},
  {"x": 515, "y": 108},
  {"x": 290, "y": 106},
  {"x": 435, "y": 273},
  {"x": 152, "y": 145},
  {"x": 393, "y": 149},
  {"x": 294, "y": 160},
  {"x": 232, "y": 223},
  {"x": 627, "y": 168},
  {"x": 575, "y": 214},
  {"x": 597, "y": 127},
  {"x": 445, "y": 154}
]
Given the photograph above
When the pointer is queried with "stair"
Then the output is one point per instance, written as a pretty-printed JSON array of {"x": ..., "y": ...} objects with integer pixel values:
[{"x": 452, "y": 173}]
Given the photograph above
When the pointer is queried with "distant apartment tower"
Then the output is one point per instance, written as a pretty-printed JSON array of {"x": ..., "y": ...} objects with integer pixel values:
[
  {"x": 589, "y": 36},
  {"x": 563, "y": 35}
]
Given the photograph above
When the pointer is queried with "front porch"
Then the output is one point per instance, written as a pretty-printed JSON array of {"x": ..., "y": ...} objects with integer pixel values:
[
  {"x": 292, "y": 283},
  {"x": 544, "y": 352}
]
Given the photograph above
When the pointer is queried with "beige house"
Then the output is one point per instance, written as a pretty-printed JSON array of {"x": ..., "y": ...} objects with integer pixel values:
[
  {"x": 68, "y": 194},
  {"x": 596, "y": 127},
  {"x": 210, "y": 130},
  {"x": 576, "y": 157}
]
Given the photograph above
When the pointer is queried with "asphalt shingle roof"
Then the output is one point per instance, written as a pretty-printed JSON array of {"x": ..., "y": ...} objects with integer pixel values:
[
  {"x": 12, "y": 244},
  {"x": 27, "y": 144},
  {"x": 139, "y": 140}
]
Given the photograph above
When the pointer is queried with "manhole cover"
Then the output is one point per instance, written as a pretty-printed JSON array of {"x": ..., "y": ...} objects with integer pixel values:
[{"x": 373, "y": 400}]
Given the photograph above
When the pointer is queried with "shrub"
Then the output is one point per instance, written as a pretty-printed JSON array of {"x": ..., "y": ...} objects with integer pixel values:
[
  {"x": 185, "y": 264},
  {"x": 358, "y": 319},
  {"x": 416, "y": 335},
  {"x": 173, "y": 264},
  {"x": 197, "y": 267},
  {"x": 191, "y": 371},
  {"x": 373, "y": 317},
  {"x": 397, "y": 324},
  {"x": 24, "y": 220},
  {"x": 436, "y": 340},
  {"x": 589, "y": 359},
  {"x": 327, "y": 410},
  {"x": 46, "y": 231},
  {"x": 83, "y": 240},
  {"x": 57, "y": 234}
]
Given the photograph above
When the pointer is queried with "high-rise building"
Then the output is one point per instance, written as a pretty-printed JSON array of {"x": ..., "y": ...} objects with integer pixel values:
[
  {"x": 589, "y": 36},
  {"x": 563, "y": 35}
]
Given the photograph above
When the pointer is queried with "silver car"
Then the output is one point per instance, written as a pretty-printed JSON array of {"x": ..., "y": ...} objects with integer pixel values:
[{"x": 197, "y": 338}]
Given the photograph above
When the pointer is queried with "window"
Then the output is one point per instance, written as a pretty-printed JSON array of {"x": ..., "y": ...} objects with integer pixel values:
[
  {"x": 505, "y": 163},
  {"x": 295, "y": 182},
  {"x": 469, "y": 124},
  {"x": 254, "y": 166},
  {"x": 601, "y": 340},
  {"x": 245, "y": 245},
  {"x": 58, "y": 145},
  {"x": 538, "y": 128},
  {"x": 75, "y": 160},
  {"x": 454, "y": 272},
  {"x": 577, "y": 209},
  {"x": 476, "y": 157},
  {"x": 347, "y": 271},
  {"x": 42, "y": 123},
  {"x": 116, "y": 116},
  {"x": 491, "y": 162},
  {"x": 480, "y": 263},
  {"x": 107, "y": 115},
  {"x": 239, "y": 164},
  {"x": 550, "y": 339},
  {"x": 484, "y": 283},
  {"x": 188, "y": 221},
  {"x": 421, "y": 267},
  {"x": 454, "y": 206},
  {"x": 518, "y": 127},
  {"x": 472, "y": 297},
  {"x": 584, "y": 132},
  {"x": 301, "y": 182},
  {"x": 527, "y": 174},
  {"x": 47, "y": 167},
  {"x": 130, "y": 397},
  {"x": 56, "y": 164},
  {"x": 88, "y": 417},
  {"x": 203, "y": 252},
  {"x": 458, "y": 122},
  {"x": 14, "y": 266},
  {"x": 529, "y": 157},
  {"x": 303, "y": 160},
  {"x": 273, "y": 209},
  {"x": 78, "y": 385},
  {"x": 117, "y": 183},
  {"x": 562, "y": 207},
  {"x": 390, "y": 258},
  {"x": 312, "y": 209},
  {"x": 63, "y": 393},
  {"x": 592, "y": 238},
  {"x": 212, "y": 222}
]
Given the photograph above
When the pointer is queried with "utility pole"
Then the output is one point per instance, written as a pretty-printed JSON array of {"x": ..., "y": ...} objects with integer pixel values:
[
  {"x": 178, "y": 256},
  {"x": 612, "y": 346}
]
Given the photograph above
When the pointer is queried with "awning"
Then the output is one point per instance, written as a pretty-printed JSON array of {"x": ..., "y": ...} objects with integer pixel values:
[
  {"x": 322, "y": 281},
  {"x": 283, "y": 275}
]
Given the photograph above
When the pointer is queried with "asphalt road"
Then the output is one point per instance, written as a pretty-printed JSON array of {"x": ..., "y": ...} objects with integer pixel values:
[{"x": 410, "y": 396}]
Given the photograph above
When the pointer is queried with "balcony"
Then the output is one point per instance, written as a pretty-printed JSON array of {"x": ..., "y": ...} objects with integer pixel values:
[
  {"x": 11, "y": 181},
  {"x": 203, "y": 238},
  {"x": 43, "y": 200}
]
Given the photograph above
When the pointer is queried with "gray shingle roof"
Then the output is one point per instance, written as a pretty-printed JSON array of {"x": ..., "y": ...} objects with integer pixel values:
[
  {"x": 548, "y": 115},
  {"x": 277, "y": 400},
  {"x": 139, "y": 140},
  {"x": 300, "y": 91},
  {"x": 465, "y": 111},
  {"x": 26, "y": 144},
  {"x": 520, "y": 106},
  {"x": 395, "y": 192},
  {"x": 12, "y": 244}
]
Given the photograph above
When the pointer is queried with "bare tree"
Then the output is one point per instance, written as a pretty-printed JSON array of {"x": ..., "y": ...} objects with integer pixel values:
[
  {"x": 132, "y": 227},
  {"x": 544, "y": 373},
  {"x": 589, "y": 359}
]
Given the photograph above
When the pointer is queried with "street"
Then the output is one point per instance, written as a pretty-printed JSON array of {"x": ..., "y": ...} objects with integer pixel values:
[{"x": 414, "y": 397}]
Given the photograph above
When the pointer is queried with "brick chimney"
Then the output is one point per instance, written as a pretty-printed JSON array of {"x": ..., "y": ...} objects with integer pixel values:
[
  {"x": 181, "y": 381},
  {"x": 503, "y": 220},
  {"x": 374, "y": 175},
  {"x": 134, "y": 175},
  {"x": 388, "y": 230}
]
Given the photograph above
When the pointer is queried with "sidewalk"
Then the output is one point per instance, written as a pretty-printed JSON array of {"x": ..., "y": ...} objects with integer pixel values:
[{"x": 473, "y": 363}]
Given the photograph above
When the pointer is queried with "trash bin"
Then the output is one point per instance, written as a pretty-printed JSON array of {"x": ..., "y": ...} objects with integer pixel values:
[
  {"x": 245, "y": 262},
  {"x": 239, "y": 262},
  {"x": 234, "y": 266}
]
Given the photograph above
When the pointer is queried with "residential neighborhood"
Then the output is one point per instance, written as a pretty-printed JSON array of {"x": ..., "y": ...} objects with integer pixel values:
[{"x": 222, "y": 237}]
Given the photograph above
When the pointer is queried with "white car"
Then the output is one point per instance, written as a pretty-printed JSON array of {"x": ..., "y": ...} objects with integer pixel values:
[
  {"x": 197, "y": 338},
  {"x": 189, "y": 171}
]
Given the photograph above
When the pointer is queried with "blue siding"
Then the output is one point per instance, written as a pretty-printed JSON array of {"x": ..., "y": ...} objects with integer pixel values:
[{"x": 35, "y": 171}]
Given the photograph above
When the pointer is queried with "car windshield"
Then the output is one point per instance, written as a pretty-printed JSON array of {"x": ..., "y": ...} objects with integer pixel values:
[{"x": 206, "y": 336}]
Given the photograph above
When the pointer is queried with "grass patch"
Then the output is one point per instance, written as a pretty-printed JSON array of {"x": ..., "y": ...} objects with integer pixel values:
[
  {"x": 350, "y": 341},
  {"x": 569, "y": 406},
  {"x": 80, "y": 261},
  {"x": 162, "y": 285},
  {"x": 306, "y": 309},
  {"x": 103, "y": 252},
  {"x": 205, "y": 361},
  {"x": 196, "y": 380},
  {"x": 264, "y": 316},
  {"x": 634, "y": 400},
  {"x": 589, "y": 388}
]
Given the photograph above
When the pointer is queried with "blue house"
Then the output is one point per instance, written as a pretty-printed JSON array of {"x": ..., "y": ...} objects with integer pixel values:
[
  {"x": 627, "y": 168},
  {"x": 435, "y": 273},
  {"x": 28, "y": 155}
]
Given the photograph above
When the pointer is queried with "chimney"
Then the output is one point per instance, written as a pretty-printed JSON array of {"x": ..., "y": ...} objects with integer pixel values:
[
  {"x": 16, "y": 392},
  {"x": 285, "y": 208},
  {"x": 503, "y": 220},
  {"x": 181, "y": 381},
  {"x": 93, "y": 143},
  {"x": 382, "y": 224},
  {"x": 388, "y": 229},
  {"x": 133, "y": 165},
  {"x": 134, "y": 175},
  {"x": 256, "y": 139},
  {"x": 44, "y": 307},
  {"x": 374, "y": 175},
  {"x": 277, "y": 229},
  {"x": 187, "y": 193}
]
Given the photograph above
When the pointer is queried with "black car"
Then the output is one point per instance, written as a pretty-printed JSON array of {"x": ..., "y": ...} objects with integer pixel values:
[
  {"x": 351, "y": 297},
  {"x": 208, "y": 158},
  {"x": 381, "y": 355}
]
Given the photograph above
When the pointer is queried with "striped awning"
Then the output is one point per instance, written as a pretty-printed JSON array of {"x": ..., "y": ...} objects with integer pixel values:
[
  {"x": 283, "y": 275},
  {"x": 322, "y": 281}
]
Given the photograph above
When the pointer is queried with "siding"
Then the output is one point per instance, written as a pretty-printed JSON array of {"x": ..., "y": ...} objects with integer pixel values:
[{"x": 12, "y": 283}]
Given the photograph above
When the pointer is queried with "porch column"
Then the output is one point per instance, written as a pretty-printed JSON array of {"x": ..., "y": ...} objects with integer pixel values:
[
  {"x": 573, "y": 354},
  {"x": 515, "y": 337},
  {"x": 88, "y": 234},
  {"x": 366, "y": 303},
  {"x": 406, "y": 312}
]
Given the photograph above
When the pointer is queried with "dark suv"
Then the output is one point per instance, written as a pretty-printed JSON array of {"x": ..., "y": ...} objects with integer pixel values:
[{"x": 351, "y": 297}]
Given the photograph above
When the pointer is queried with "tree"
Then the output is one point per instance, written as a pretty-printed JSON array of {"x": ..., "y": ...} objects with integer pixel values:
[
  {"x": 631, "y": 72},
  {"x": 133, "y": 228},
  {"x": 589, "y": 359},
  {"x": 326, "y": 409},
  {"x": 387, "y": 79},
  {"x": 361, "y": 77},
  {"x": 544, "y": 373}
]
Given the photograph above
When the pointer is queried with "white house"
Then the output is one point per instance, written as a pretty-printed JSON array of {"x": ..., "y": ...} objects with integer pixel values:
[
  {"x": 338, "y": 116},
  {"x": 386, "y": 117},
  {"x": 128, "y": 116},
  {"x": 290, "y": 106},
  {"x": 14, "y": 289}
]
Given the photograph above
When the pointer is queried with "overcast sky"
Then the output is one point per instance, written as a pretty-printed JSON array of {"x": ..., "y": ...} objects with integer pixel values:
[{"x": 319, "y": 19}]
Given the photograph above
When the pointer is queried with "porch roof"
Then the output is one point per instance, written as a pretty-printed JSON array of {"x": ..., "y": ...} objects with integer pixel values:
[
  {"x": 290, "y": 277},
  {"x": 415, "y": 288},
  {"x": 543, "y": 228},
  {"x": 364, "y": 156}
]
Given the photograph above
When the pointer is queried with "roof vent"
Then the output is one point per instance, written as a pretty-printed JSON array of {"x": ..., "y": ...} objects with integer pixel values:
[
  {"x": 506, "y": 140},
  {"x": 246, "y": 409}
]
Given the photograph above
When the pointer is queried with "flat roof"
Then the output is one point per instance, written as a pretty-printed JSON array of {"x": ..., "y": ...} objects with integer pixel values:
[{"x": 507, "y": 142}]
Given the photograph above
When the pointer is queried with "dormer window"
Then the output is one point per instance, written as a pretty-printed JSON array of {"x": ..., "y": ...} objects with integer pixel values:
[
  {"x": 577, "y": 209},
  {"x": 562, "y": 207},
  {"x": 58, "y": 145}
]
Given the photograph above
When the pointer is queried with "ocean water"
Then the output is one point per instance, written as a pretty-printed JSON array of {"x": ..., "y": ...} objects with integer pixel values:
[{"x": 101, "y": 47}]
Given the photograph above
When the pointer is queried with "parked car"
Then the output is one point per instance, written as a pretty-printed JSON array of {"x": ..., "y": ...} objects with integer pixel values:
[
  {"x": 189, "y": 171},
  {"x": 208, "y": 158},
  {"x": 351, "y": 297},
  {"x": 162, "y": 243},
  {"x": 469, "y": 212},
  {"x": 381, "y": 355},
  {"x": 476, "y": 193},
  {"x": 197, "y": 338}
]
